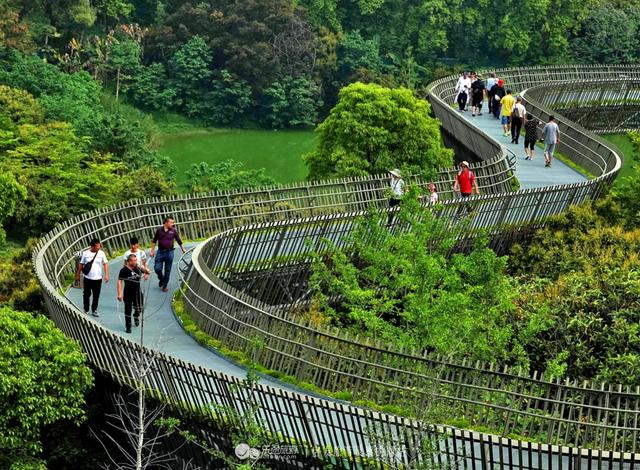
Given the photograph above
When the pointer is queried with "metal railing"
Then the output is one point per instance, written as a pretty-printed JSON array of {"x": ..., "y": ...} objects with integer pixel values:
[{"x": 308, "y": 422}]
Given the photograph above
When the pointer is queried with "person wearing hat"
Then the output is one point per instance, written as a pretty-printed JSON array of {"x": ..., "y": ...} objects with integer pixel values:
[
  {"x": 397, "y": 187},
  {"x": 465, "y": 181},
  {"x": 518, "y": 118},
  {"x": 497, "y": 92},
  {"x": 397, "y": 190}
]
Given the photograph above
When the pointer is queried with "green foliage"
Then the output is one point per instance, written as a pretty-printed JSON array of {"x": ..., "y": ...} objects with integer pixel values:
[
  {"x": 229, "y": 174},
  {"x": 190, "y": 67},
  {"x": 151, "y": 89},
  {"x": 373, "y": 129},
  {"x": 292, "y": 102},
  {"x": 43, "y": 379},
  {"x": 626, "y": 192},
  {"x": 19, "y": 106},
  {"x": 13, "y": 194},
  {"x": 582, "y": 299},
  {"x": 61, "y": 179},
  {"x": 608, "y": 35},
  {"x": 404, "y": 289},
  {"x": 19, "y": 288},
  {"x": 226, "y": 102}
]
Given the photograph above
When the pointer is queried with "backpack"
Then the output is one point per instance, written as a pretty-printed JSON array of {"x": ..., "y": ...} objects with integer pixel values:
[{"x": 515, "y": 112}]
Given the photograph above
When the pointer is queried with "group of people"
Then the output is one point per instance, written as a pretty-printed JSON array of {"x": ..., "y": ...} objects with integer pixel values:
[
  {"x": 94, "y": 267},
  {"x": 510, "y": 110},
  {"x": 465, "y": 183}
]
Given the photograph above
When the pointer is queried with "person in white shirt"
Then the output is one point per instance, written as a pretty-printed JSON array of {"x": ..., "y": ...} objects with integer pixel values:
[
  {"x": 463, "y": 87},
  {"x": 433, "y": 193},
  {"x": 492, "y": 80},
  {"x": 397, "y": 190},
  {"x": 140, "y": 255},
  {"x": 93, "y": 263},
  {"x": 518, "y": 119}
]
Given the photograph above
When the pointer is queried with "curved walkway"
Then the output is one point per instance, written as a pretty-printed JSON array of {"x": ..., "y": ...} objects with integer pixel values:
[
  {"x": 165, "y": 334},
  {"x": 531, "y": 174},
  {"x": 311, "y": 421},
  {"x": 162, "y": 330}
]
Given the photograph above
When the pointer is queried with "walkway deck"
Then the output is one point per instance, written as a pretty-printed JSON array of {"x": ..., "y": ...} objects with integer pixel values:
[
  {"x": 163, "y": 333},
  {"x": 531, "y": 174}
]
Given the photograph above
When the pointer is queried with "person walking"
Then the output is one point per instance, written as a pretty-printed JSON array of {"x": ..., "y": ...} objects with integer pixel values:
[
  {"x": 165, "y": 236},
  {"x": 492, "y": 80},
  {"x": 131, "y": 276},
  {"x": 93, "y": 266},
  {"x": 397, "y": 191},
  {"x": 506, "y": 103},
  {"x": 462, "y": 89},
  {"x": 530, "y": 137},
  {"x": 465, "y": 181},
  {"x": 477, "y": 94},
  {"x": 551, "y": 137},
  {"x": 518, "y": 118},
  {"x": 497, "y": 93}
]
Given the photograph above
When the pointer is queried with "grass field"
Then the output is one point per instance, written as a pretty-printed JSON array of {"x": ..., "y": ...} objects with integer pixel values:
[
  {"x": 279, "y": 152},
  {"x": 626, "y": 147}
]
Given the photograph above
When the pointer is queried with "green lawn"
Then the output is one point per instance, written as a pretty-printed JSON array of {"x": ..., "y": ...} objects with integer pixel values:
[
  {"x": 626, "y": 147},
  {"x": 279, "y": 152}
]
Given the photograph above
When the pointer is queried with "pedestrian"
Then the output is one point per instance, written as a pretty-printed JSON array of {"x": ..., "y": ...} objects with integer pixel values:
[
  {"x": 93, "y": 266},
  {"x": 530, "y": 137},
  {"x": 397, "y": 191},
  {"x": 506, "y": 103},
  {"x": 140, "y": 255},
  {"x": 497, "y": 92},
  {"x": 551, "y": 137},
  {"x": 492, "y": 80},
  {"x": 164, "y": 237},
  {"x": 131, "y": 275},
  {"x": 477, "y": 94},
  {"x": 462, "y": 89},
  {"x": 433, "y": 193},
  {"x": 518, "y": 118},
  {"x": 465, "y": 181}
]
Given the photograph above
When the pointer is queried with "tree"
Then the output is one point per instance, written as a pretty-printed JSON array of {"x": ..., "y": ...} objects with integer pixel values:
[
  {"x": 225, "y": 101},
  {"x": 14, "y": 31},
  {"x": 43, "y": 380},
  {"x": 13, "y": 194},
  {"x": 124, "y": 59},
  {"x": 373, "y": 129},
  {"x": 405, "y": 288},
  {"x": 60, "y": 177},
  {"x": 608, "y": 35},
  {"x": 291, "y": 102},
  {"x": 150, "y": 88}
]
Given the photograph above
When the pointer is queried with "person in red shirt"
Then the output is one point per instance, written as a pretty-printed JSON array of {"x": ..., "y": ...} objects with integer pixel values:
[{"x": 465, "y": 181}]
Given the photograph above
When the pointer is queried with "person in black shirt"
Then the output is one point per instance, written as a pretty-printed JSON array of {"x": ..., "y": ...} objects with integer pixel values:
[
  {"x": 477, "y": 94},
  {"x": 131, "y": 276}
]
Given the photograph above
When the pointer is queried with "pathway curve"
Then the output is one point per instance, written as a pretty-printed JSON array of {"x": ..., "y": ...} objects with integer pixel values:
[
  {"x": 531, "y": 174},
  {"x": 162, "y": 331}
]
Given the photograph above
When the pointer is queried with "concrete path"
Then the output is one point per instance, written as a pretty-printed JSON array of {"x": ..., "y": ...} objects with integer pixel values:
[
  {"x": 531, "y": 174},
  {"x": 162, "y": 332}
]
